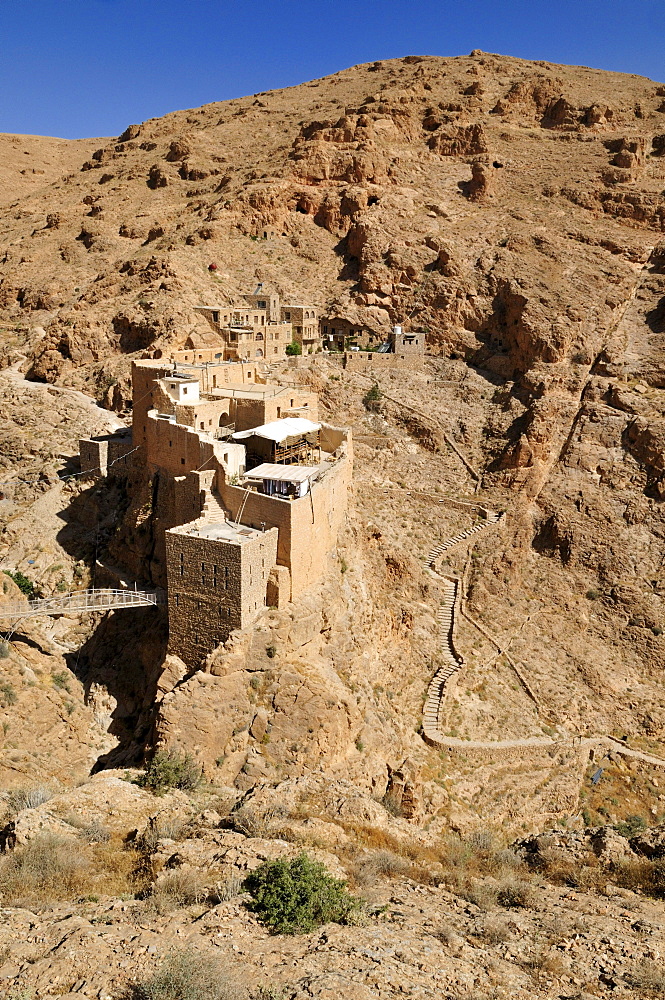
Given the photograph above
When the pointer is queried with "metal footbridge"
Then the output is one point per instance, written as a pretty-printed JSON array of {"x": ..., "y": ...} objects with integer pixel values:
[{"x": 82, "y": 603}]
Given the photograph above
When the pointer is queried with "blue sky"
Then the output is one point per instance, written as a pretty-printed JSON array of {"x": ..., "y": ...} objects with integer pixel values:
[{"x": 78, "y": 68}]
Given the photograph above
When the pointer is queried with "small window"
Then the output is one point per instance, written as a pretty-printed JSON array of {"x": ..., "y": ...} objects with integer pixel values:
[
  {"x": 177, "y": 600},
  {"x": 215, "y": 317},
  {"x": 184, "y": 390},
  {"x": 182, "y": 461},
  {"x": 287, "y": 316},
  {"x": 202, "y": 425}
]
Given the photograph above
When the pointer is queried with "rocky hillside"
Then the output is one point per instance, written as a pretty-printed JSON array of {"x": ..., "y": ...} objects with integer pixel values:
[{"x": 507, "y": 206}]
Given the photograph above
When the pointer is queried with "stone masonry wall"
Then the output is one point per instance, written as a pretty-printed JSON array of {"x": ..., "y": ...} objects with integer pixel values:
[
  {"x": 369, "y": 361},
  {"x": 308, "y": 527},
  {"x": 214, "y": 587}
]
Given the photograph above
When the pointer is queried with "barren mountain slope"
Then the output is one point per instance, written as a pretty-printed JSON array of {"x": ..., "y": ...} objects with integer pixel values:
[
  {"x": 365, "y": 179},
  {"x": 28, "y": 162}
]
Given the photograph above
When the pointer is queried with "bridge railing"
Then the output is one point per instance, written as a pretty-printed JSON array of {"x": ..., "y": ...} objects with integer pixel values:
[{"x": 82, "y": 601}]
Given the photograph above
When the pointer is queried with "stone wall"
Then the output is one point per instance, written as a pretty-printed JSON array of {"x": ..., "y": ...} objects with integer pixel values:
[
  {"x": 214, "y": 587},
  {"x": 369, "y": 361},
  {"x": 308, "y": 527},
  {"x": 211, "y": 374},
  {"x": 105, "y": 455},
  {"x": 179, "y": 449}
]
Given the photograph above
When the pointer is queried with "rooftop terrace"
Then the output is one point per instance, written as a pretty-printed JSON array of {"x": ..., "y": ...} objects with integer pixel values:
[{"x": 223, "y": 531}]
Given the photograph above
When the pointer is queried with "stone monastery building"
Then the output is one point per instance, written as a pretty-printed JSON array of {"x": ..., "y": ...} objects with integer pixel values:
[
  {"x": 260, "y": 329},
  {"x": 249, "y": 488}
]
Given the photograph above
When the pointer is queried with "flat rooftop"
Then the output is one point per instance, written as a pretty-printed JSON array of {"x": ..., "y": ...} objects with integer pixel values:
[{"x": 223, "y": 531}]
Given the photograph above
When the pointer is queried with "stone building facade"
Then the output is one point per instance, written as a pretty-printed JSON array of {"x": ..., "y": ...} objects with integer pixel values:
[
  {"x": 260, "y": 329},
  {"x": 226, "y": 545},
  {"x": 217, "y": 582}
]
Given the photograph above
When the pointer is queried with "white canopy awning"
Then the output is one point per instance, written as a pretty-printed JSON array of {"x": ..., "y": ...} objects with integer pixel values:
[
  {"x": 283, "y": 473},
  {"x": 280, "y": 430}
]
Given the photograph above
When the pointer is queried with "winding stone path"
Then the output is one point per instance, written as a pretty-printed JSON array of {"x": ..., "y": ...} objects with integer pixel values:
[{"x": 452, "y": 662}]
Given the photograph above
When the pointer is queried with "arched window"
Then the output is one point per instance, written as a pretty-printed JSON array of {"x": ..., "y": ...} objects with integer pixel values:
[
  {"x": 259, "y": 353},
  {"x": 259, "y": 336},
  {"x": 223, "y": 417}
]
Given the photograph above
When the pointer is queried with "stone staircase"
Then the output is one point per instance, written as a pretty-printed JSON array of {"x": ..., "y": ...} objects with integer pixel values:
[
  {"x": 505, "y": 750},
  {"x": 491, "y": 518},
  {"x": 213, "y": 511},
  {"x": 451, "y": 661}
]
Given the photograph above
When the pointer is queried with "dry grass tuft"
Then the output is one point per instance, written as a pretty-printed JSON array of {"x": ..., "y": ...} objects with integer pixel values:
[
  {"x": 52, "y": 868},
  {"x": 647, "y": 976},
  {"x": 28, "y": 798},
  {"x": 187, "y": 975},
  {"x": 181, "y": 887}
]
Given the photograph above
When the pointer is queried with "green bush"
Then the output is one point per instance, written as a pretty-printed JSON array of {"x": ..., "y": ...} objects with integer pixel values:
[
  {"x": 297, "y": 896},
  {"x": 170, "y": 769},
  {"x": 630, "y": 826},
  {"x": 26, "y": 586},
  {"x": 293, "y": 349},
  {"x": 372, "y": 398},
  {"x": 61, "y": 680}
]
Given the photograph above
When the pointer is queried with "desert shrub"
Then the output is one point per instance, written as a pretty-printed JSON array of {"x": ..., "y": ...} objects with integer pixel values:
[
  {"x": 161, "y": 828},
  {"x": 25, "y": 585},
  {"x": 631, "y": 825},
  {"x": 170, "y": 769},
  {"x": 8, "y": 694},
  {"x": 52, "y": 867},
  {"x": 495, "y": 931},
  {"x": 480, "y": 842},
  {"x": 181, "y": 887},
  {"x": 61, "y": 680},
  {"x": 93, "y": 831},
  {"x": 372, "y": 399},
  {"x": 187, "y": 975},
  {"x": 482, "y": 894},
  {"x": 369, "y": 868},
  {"x": 5, "y": 649},
  {"x": 647, "y": 975},
  {"x": 28, "y": 798},
  {"x": 45, "y": 869},
  {"x": 228, "y": 888},
  {"x": 643, "y": 875},
  {"x": 293, "y": 350},
  {"x": 298, "y": 896},
  {"x": 254, "y": 822},
  {"x": 514, "y": 893}
]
